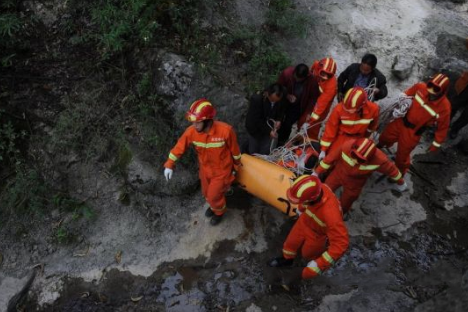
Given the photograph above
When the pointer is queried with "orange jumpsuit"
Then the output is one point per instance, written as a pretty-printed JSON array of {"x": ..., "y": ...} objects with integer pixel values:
[
  {"x": 342, "y": 125},
  {"x": 318, "y": 113},
  {"x": 218, "y": 153},
  {"x": 350, "y": 174},
  {"x": 407, "y": 131},
  {"x": 318, "y": 223}
]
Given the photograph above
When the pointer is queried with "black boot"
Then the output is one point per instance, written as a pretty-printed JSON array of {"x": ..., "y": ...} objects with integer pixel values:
[
  {"x": 280, "y": 262},
  {"x": 209, "y": 213},
  {"x": 453, "y": 134},
  {"x": 215, "y": 219}
]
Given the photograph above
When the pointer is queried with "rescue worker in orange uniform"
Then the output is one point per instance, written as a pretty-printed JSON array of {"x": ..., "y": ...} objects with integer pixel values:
[
  {"x": 354, "y": 117},
  {"x": 324, "y": 72},
  {"x": 429, "y": 107},
  {"x": 353, "y": 164},
  {"x": 320, "y": 233},
  {"x": 218, "y": 155}
]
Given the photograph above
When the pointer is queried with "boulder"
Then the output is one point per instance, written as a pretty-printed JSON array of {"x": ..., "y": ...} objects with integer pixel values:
[{"x": 402, "y": 67}]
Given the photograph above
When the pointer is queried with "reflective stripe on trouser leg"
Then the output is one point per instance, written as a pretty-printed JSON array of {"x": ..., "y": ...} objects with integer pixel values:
[{"x": 294, "y": 240}]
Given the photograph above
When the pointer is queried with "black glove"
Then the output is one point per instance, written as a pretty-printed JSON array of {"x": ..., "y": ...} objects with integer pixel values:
[{"x": 283, "y": 276}]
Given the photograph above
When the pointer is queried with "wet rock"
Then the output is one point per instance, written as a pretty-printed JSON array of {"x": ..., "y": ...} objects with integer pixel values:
[
  {"x": 463, "y": 146},
  {"x": 173, "y": 79},
  {"x": 254, "y": 308},
  {"x": 402, "y": 67}
]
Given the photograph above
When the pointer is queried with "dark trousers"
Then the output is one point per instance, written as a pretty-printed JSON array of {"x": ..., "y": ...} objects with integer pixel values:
[
  {"x": 292, "y": 115},
  {"x": 460, "y": 102},
  {"x": 259, "y": 145}
]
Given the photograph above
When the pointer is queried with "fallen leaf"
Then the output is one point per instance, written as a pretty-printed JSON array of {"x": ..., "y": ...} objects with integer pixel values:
[
  {"x": 85, "y": 294},
  {"x": 102, "y": 298},
  {"x": 40, "y": 266},
  {"x": 136, "y": 299},
  {"x": 82, "y": 254},
  {"x": 118, "y": 256}
]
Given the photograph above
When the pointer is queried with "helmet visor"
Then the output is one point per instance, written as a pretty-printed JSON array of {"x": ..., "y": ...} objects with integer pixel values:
[{"x": 433, "y": 88}]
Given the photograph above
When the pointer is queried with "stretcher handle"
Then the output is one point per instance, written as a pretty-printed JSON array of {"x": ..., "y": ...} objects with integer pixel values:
[{"x": 288, "y": 209}]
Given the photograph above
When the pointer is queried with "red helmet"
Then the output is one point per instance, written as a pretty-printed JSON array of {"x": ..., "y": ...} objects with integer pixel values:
[
  {"x": 363, "y": 149},
  {"x": 326, "y": 68},
  {"x": 305, "y": 188},
  {"x": 200, "y": 110},
  {"x": 438, "y": 84},
  {"x": 355, "y": 98}
]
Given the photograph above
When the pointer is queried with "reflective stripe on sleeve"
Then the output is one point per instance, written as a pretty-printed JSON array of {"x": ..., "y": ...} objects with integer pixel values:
[
  {"x": 316, "y": 270},
  {"x": 173, "y": 157},
  {"x": 325, "y": 143},
  {"x": 315, "y": 116},
  {"x": 328, "y": 258},
  {"x": 398, "y": 176},
  {"x": 325, "y": 165},
  {"x": 435, "y": 144},
  {"x": 237, "y": 157},
  {"x": 348, "y": 159}
]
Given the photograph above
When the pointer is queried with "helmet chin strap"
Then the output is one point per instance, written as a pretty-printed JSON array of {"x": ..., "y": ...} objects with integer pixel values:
[
  {"x": 206, "y": 125},
  {"x": 435, "y": 97},
  {"x": 318, "y": 199}
]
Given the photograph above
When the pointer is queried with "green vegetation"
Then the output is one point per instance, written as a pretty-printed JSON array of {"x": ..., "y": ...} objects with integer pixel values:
[
  {"x": 111, "y": 104},
  {"x": 263, "y": 56},
  {"x": 25, "y": 193},
  {"x": 9, "y": 142},
  {"x": 258, "y": 47},
  {"x": 118, "y": 26},
  {"x": 13, "y": 29},
  {"x": 283, "y": 18}
]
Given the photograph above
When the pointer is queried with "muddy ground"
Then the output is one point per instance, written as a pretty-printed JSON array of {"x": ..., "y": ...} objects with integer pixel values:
[{"x": 157, "y": 252}]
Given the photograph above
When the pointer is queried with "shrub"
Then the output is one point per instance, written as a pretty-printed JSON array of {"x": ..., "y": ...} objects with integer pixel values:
[{"x": 282, "y": 17}]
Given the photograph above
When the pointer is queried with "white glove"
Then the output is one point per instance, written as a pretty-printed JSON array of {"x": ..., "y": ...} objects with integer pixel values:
[
  {"x": 400, "y": 188},
  {"x": 298, "y": 212},
  {"x": 321, "y": 155},
  {"x": 305, "y": 126},
  {"x": 315, "y": 174},
  {"x": 168, "y": 173},
  {"x": 312, "y": 264}
]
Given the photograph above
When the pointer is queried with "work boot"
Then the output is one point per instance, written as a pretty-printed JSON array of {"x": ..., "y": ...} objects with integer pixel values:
[
  {"x": 215, "y": 219},
  {"x": 209, "y": 213},
  {"x": 280, "y": 262},
  {"x": 347, "y": 216},
  {"x": 453, "y": 134}
]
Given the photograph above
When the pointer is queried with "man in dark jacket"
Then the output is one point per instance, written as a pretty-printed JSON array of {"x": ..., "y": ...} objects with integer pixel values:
[
  {"x": 363, "y": 75},
  {"x": 264, "y": 118},
  {"x": 302, "y": 91},
  {"x": 460, "y": 103}
]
